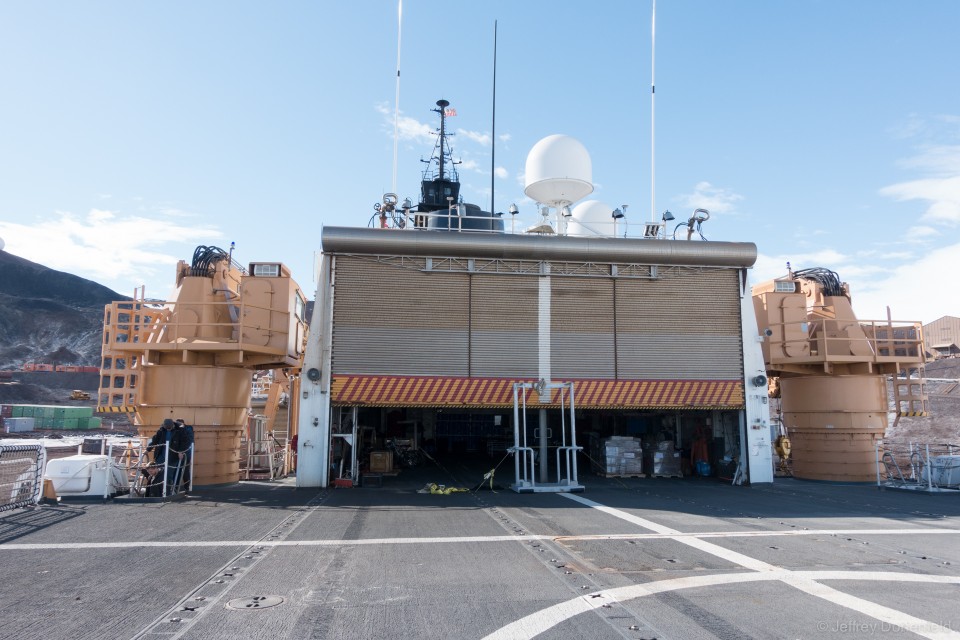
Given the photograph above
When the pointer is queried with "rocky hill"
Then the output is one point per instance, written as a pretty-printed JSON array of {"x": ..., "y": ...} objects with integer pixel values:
[{"x": 49, "y": 316}]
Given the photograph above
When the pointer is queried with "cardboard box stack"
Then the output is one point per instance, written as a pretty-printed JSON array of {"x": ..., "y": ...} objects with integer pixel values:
[{"x": 618, "y": 456}]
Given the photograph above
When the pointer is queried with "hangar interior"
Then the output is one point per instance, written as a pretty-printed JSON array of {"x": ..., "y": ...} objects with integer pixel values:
[{"x": 479, "y": 438}]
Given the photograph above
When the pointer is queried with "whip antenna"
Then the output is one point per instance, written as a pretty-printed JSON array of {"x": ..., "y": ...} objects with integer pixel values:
[
  {"x": 493, "y": 126},
  {"x": 653, "y": 102},
  {"x": 396, "y": 102}
]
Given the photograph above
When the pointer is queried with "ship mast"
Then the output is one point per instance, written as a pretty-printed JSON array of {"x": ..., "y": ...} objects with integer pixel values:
[
  {"x": 442, "y": 104},
  {"x": 440, "y": 185}
]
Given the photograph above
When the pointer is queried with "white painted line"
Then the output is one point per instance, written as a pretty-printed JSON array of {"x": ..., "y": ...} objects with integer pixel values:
[
  {"x": 623, "y": 515},
  {"x": 764, "y": 534},
  {"x": 799, "y": 580},
  {"x": 896, "y": 619},
  {"x": 545, "y": 619},
  {"x": 612, "y": 537},
  {"x": 264, "y": 543},
  {"x": 708, "y": 547}
]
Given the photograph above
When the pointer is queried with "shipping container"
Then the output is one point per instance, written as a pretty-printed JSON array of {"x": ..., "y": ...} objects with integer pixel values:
[
  {"x": 72, "y": 412},
  {"x": 6, "y": 410},
  {"x": 18, "y": 425}
]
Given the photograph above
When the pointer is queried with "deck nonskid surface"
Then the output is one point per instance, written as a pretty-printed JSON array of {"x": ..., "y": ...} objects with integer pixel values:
[{"x": 626, "y": 559}]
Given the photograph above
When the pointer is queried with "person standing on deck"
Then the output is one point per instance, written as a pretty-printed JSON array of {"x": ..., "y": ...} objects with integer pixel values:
[
  {"x": 188, "y": 444},
  {"x": 169, "y": 445}
]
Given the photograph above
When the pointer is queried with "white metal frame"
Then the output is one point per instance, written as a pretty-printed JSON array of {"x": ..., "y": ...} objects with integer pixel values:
[{"x": 523, "y": 460}]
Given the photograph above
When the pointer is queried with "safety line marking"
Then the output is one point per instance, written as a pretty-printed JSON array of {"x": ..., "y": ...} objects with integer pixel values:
[
  {"x": 613, "y": 537},
  {"x": 702, "y": 545},
  {"x": 545, "y": 619},
  {"x": 805, "y": 581}
]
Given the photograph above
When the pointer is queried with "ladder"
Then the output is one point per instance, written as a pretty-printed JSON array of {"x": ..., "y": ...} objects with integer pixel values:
[{"x": 910, "y": 395}]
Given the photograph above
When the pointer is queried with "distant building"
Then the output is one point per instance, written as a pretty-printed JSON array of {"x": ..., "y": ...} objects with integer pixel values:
[{"x": 942, "y": 336}]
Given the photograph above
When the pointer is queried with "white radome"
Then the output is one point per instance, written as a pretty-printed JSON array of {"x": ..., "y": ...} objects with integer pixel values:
[
  {"x": 2, "y": 245},
  {"x": 558, "y": 171},
  {"x": 591, "y": 218}
]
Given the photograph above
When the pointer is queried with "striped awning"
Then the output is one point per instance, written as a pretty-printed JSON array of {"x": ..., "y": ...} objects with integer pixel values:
[{"x": 446, "y": 391}]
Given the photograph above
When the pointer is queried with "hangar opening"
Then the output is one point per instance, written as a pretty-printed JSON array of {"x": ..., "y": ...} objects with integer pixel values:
[
  {"x": 656, "y": 443},
  {"x": 425, "y": 333}
]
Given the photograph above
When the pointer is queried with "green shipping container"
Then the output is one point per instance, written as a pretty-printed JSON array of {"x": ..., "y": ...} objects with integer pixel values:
[
  {"x": 90, "y": 423},
  {"x": 72, "y": 412},
  {"x": 18, "y": 411},
  {"x": 71, "y": 423}
]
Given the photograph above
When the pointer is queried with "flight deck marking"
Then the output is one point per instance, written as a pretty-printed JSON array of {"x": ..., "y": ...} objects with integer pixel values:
[
  {"x": 545, "y": 619},
  {"x": 806, "y": 581},
  {"x": 134, "y": 544}
]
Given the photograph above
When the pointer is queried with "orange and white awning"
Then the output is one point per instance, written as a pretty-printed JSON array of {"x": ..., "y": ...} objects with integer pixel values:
[{"x": 447, "y": 391}]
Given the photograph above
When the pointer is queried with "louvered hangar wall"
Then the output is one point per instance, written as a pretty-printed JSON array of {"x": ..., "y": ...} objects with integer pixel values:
[
  {"x": 503, "y": 329},
  {"x": 393, "y": 318},
  {"x": 684, "y": 325},
  {"x": 400, "y": 321}
]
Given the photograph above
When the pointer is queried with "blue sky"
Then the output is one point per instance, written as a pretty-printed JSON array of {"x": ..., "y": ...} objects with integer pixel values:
[{"x": 826, "y": 132}]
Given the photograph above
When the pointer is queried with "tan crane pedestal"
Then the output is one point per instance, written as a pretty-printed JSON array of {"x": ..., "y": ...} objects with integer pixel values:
[
  {"x": 212, "y": 399},
  {"x": 834, "y": 424}
]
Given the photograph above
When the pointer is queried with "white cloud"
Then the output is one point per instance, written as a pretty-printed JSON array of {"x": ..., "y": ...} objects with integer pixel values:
[
  {"x": 408, "y": 128},
  {"x": 99, "y": 215},
  {"x": 469, "y": 165},
  {"x": 920, "y": 233},
  {"x": 770, "y": 267},
  {"x": 714, "y": 199},
  {"x": 943, "y": 194},
  {"x": 897, "y": 255},
  {"x": 938, "y": 164},
  {"x": 914, "y": 290},
  {"x": 117, "y": 250},
  {"x": 501, "y": 172},
  {"x": 938, "y": 160},
  {"x": 504, "y": 137},
  {"x": 481, "y": 138}
]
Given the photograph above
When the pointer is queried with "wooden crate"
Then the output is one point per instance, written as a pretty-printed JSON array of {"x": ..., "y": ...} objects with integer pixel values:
[{"x": 381, "y": 461}]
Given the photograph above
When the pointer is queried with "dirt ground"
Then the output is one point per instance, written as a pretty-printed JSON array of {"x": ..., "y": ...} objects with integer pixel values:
[{"x": 942, "y": 425}]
